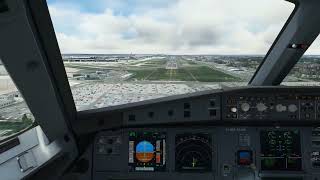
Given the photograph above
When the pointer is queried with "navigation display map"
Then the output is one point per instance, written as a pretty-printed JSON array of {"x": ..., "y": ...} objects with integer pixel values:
[{"x": 193, "y": 152}]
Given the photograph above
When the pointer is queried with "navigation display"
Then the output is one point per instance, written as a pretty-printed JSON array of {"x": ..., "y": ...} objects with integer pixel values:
[
  {"x": 193, "y": 152},
  {"x": 147, "y": 151},
  {"x": 280, "y": 150}
]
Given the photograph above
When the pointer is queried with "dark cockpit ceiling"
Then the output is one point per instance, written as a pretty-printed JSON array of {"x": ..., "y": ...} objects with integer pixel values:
[{"x": 258, "y": 132}]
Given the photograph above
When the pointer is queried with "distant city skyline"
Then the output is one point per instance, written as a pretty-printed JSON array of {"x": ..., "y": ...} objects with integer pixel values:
[{"x": 169, "y": 26}]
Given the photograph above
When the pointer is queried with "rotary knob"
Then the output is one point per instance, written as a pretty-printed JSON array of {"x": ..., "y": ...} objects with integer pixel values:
[
  {"x": 245, "y": 107},
  {"x": 292, "y": 108},
  {"x": 281, "y": 108},
  {"x": 261, "y": 107}
]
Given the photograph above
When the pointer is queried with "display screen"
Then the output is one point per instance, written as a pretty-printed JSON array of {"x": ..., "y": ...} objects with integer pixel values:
[
  {"x": 280, "y": 150},
  {"x": 244, "y": 157},
  {"x": 147, "y": 151},
  {"x": 193, "y": 153}
]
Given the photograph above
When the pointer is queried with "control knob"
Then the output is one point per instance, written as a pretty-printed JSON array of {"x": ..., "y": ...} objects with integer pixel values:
[
  {"x": 261, "y": 107},
  {"x": 281, "y": 108},
  {"x": 292, "y": 108},
  {"x": 245, "y": 107}
]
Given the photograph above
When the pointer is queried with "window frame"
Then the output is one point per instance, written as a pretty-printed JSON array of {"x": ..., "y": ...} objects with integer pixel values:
[{"x": 297, "y": 5}]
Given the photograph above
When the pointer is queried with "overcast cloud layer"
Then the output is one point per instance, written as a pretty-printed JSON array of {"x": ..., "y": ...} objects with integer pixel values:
[{"x": 169, "y": 26}]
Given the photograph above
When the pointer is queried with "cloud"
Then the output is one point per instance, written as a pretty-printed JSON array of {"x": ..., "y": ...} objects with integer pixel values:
[
  {"x": 315, "y": 47},
  {"x": 174, "y": 27}
]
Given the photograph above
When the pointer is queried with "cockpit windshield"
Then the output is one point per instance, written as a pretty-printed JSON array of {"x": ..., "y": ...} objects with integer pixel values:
[
  {"x": 118, "y": 52},
  {"x": 307, "y": 70}
]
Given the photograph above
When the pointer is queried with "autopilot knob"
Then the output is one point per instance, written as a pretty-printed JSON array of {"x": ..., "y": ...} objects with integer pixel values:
[
  {"x": 292, "y": 108},
  {"x": 281, "y": 108},
  {"x": 245, "y": 107},
  {"x": 261, "y": 107}
]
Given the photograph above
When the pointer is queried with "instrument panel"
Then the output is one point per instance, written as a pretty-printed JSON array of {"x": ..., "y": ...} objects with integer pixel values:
[
  {"x": 240, "y": 134},
  {"x": 209, "y": 152}
]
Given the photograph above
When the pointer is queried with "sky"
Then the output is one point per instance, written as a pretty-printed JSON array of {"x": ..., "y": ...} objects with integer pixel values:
[{"x": 169, "y": 26}]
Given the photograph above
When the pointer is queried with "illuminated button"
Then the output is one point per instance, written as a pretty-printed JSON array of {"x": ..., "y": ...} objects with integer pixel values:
[
  {"x": 226, "y": 169},
  {"x": 234, "y": 109}
]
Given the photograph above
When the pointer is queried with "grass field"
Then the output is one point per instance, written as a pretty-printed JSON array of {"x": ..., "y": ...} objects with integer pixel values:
[
  {"x": 197, "y": 73},
  {"x": 155, "y": 62},
  {"x": 155, "y": 70},
  {"x": 15, "y": 127}
]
